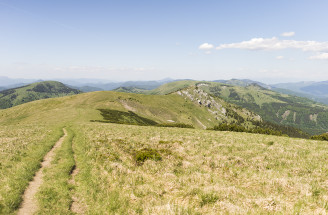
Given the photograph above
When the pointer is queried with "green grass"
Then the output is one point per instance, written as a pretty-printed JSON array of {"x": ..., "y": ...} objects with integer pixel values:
[
  {"x": 270, "y": 105},
  {"x": 147, "y": 154},
  {"x": 55, "y": 194},
  {"x": 85, "y": 107},
  {"x": 199, "y": 171},
  {"x": 171, "y": 87},
  {"x": 22, "y": 148},
  {"x": 121, "y": 117}
]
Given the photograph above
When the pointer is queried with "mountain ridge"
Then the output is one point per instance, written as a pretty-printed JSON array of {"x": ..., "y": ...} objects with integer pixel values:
[
  {"x": 40, "y": 90},
  {"x": 272, "y": 106}
]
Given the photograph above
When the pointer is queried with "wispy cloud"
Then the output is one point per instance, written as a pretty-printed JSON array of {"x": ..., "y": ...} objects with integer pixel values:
[
  {"x": 321, "y": 56},
  {"x": 280, "y": 57},
  {"x": 288, "y": 34},
  {"x": 275, "y": 43},
  {"x": 206, "y": 46}
]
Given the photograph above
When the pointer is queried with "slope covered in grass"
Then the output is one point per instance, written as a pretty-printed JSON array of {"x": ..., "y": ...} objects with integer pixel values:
[
  {"x": 199, "y": 172},
  {"x": 35, "y": 91},
  {"x": 129, "y": 169},
  {"x": 271, "y": 106},
  {"x": 84, "y": 107},
  {"x": 22, "y": 148}
]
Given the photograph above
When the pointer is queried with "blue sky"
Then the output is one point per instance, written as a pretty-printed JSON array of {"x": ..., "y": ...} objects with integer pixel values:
[{"x": 269, "y": 41}]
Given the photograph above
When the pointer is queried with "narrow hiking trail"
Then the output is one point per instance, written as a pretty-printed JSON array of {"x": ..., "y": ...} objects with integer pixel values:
[
  {"x": 30, "y": 203},
  {"x": 76, "y": 206}
]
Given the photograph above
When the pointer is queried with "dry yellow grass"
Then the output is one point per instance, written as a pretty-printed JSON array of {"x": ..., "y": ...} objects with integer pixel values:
[
  {"x": 22, "y": 148},
  {"x": 204, "y": 172},
  {"x": 200, "y": 172}
]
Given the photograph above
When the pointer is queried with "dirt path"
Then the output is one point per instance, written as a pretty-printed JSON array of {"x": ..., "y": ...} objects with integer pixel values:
[
  {"x": 30, "y": 203},
  {"x": 76, "y": 206}
]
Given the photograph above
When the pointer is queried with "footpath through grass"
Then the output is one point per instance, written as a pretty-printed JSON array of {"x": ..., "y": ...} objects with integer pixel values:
[
  {"x": 126, "y": 169},
  {"x": 22, "y": 148},
  {"x": 55, "y": 194}
]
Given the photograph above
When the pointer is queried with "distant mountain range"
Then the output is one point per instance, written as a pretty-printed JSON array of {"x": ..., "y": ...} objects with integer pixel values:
[
  {"x": 86, "y": 85},
  {"x": 316, "y": 91},
  {"x": 269, "y": 105}
]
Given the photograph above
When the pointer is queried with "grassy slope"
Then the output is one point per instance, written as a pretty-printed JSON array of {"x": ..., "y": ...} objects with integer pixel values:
[
  {"x": 171, "y": 87},
  {"x": 201, "y": 172},
  {"x": 271, "y": 106},
  {"x": 205, "y": 172},
  {"x": 22, "y": 148},
  {"x": 160, "y": 108},
  {"x": 35, "y": 91},
  {"x": 131, "y": 90}
]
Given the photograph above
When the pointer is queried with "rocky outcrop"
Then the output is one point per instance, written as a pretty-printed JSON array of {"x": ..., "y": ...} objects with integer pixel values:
[
  {"x": 285, "y": 115},
  {"x": 214, "y": 105},
  {"x": 313, "y": 117}
]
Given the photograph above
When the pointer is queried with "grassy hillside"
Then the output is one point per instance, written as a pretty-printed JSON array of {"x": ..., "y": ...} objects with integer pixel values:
[
  {"x": 199, "y": 172},
  {"x": 22, "y": 148},
  {"x": 108, "y": 168},
  {"x": 272, "y": 106},
  {"x": 131, "y": 90},
  {"x": 243, "y": 83},
  {"x": 171, "y": 108},
  {"x": 35, "y": 91}
]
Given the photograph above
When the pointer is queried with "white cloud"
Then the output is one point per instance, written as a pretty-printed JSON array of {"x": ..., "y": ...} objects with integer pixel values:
[
  {"x": 206, "y": 46},
  {"x": 288, "y": 34},
  {"x": 276, "y": 44},
  {"x": 280, "y": 57},
  {"x": 321, "y": 56}
]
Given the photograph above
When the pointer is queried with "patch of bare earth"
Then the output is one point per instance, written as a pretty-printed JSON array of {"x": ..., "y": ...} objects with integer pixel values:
[
  {"x": 76, "y": 207},
  {"x": 127, "y": 106},
  {"x": 30, "y": 203}
]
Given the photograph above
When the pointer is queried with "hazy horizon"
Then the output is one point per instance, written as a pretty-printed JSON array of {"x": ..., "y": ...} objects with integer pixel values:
[{"x": 104, "y": 81}]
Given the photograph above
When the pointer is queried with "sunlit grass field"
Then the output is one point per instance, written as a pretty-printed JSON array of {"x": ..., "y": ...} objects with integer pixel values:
[
  {"x": 200, "y": 172},
  {"x": 22, "y": 148},
  {"x": 193, "y": 171},
  {"x": 128, "y": 169}
]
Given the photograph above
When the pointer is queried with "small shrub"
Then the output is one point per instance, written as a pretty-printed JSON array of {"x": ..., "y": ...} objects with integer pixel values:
[
  {"x": 208, "y": 198},
  {"x": 320, "y": 137},
  {"x": 164, "y": 142},
  {"x": 147, "y": 153},
  {"x": 270, "y": 143},
  {"x": 178, "y": 125}
]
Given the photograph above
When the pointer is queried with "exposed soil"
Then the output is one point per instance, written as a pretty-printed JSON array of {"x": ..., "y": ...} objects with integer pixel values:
[
  {"x": 30, "y": 203},
  {"x": 76, "y": 206}
]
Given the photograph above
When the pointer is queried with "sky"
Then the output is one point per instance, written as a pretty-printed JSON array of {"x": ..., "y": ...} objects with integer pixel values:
[{"x": 120, "y": 40}]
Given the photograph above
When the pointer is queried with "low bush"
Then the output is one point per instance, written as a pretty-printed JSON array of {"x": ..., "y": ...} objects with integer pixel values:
[
  {"x": 147, "y": 154},
  {"x": 320, "y": 137},
  {"x": 239, "y": 128},
  {"x": 178, "y": 125},
  {"x": 208, "y": 198}
]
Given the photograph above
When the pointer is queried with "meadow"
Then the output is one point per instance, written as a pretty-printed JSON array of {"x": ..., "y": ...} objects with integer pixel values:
[
  {"x": 199, "y": 172},
  {"x": 22, "y": 148},
  {"x": 107, "y": 168}
]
